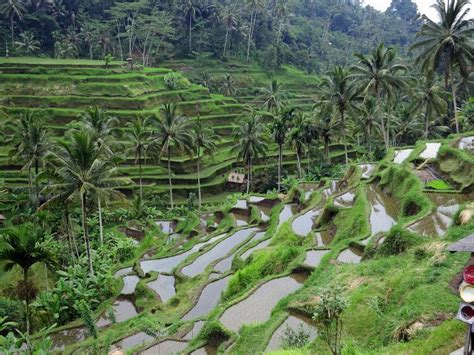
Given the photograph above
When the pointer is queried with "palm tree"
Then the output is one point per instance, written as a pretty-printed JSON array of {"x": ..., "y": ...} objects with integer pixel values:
[
  {"x": 326, "y": 124},
  {"x": 83, "y": 168},
  {"x": 11, "y": 9},
  {"x": 255, "y": 6},
  {"x": 273, "y": 96},
  {"x": 205, "y": 142},
  {"x": 230, "y": 23},
  {"x": 30, "y": 140},
  {"x": 279, "y": 129},
  {"x": 299, "y": 138},
  {"x": 22, "y": 246},
  {"x": 27, "y": 43},
  {"x": 228, "y": 85},
  {"x": 337, "y": 90},
  {"x": 365, "y": 115},
  {"x": 379, "y": 75},
  {"x": 191, "y": 11},
  {"x": 407, "y": 125},
  {"x": 429, "y": 98},
  {"x": 250, "y": 143},
  {"x": 448, "y": 42},
  {"x": 173, "y": 132},
  {"x": 103, "y": 127},
  {"x": 138, "y": 135}
]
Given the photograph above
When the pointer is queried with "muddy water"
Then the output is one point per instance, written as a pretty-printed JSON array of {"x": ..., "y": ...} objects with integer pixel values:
[
  {"x": 256, "y": 199},
  {"x": 257, "y": 307},
  {"x": 123, "y": 309},
  {"x": 401, "y": 155},
  {"x": 431, "y": 151},
  {"x": 164, "y": 286},
  {"x": 345, "y": 200},
  {"x": 439, "y": 221},
  {"x": 294, "y": 322},
  {"x": 225, "y": 264},
  {"x": 264, "y": 213},
  {"x": 383, "y": 210},
  {"x": 208, "y": 299},
  {"x": 286, "y": 213},
  {"x": 67, "y": 337},
  {"x": 134, "y": 340},
  {"x": 166, "y": 347},
  {"x": 129, "y": 284},
  {"x": 259, "y": 246},
  {"x": 241, "y": 219},
  {"x": 367, "y": 170},
  {"x": 197, "y": 326},
  {"x": 314, "y": 257},
  {"x": 303, "y": 225},
  {"x": 241, "y": 205},
  {"x": 466, "y": 143},
  {"x": 219, "y": 251},
  {"x": 323, "y": 238},
  {"x": 350, "y": 256}
]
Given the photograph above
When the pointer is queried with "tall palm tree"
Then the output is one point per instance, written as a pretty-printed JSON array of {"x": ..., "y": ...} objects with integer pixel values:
[
  {"x": 273, "y": 96},
  {"x": 190, "y": 11},
  {"x": 174, "y": 132},
  {"x": 103, "y": 126},
  {"x": 448, "y": 42},
  {"x": 327, "y": 125},
  {"x": 12, "y": 9},
  {"x": 250, "y": 143},
  {"x": 27, "y": 43},
  {"x": 255, "y": 6},
  {"x": 138, "y": 135},
  {"x": 299, "y": 138},
  {"x": 83, "y": 168},
  {"x": 365, "y": 115},
  {"x": 30, "y": 139},
  {"x": 379, "y": 75},
  {"x": 338, "y": 91},
  {"x": 279, "y": 129},
  {"x": 229, "y": 19},
  {"x": 205, "y": 141},
  {"x": 228, "y": 85},
  {"x": 429, "y": 97},
  {"x": 22, "y": 247},
  {"x": 407, "y": 125}
]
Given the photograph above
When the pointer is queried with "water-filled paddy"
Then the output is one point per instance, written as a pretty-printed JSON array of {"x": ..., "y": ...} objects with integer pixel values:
[
  {"x": 383, "y": 210},
  {"x": 164, "y": 286}
]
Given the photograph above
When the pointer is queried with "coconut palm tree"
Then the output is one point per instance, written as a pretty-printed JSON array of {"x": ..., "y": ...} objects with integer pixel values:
[
  {"x": 365, "y": 115},
  {"x": 84, "y": 169},
  {"x": 138, "y": 135},
  {"x": 190, "y": 11},
  {"x": 273, "y": 96},
  {"x": 250, "y": 142},
  {"x": 12, "y": 9},
  {"x": 103, "y": 126},
  {"x": 228, "y": 85},
  {"x": 448, "y": 42},
  {"x": 379, "y": 75},
  {"x": 174, "y": 132},
  {"x": 429, "y": 97},
  {"x": 22, "y": 247},
  {"x": 338, "y": 91},
  {"x": 30, "y": 139},
  {"x": 229, "y": 19},
  {"x": 27, "y": 43},
  {"x": 205, "y": 141},
  {"x": 255, "y": 6},
  {"x": 279, "y": 129},
  {"x": 299, "y": 138},
  {"x": 327, "y": 126}
]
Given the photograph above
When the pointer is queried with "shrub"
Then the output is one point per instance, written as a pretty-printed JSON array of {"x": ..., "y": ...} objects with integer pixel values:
[
  {"x": 176, "y": 81},
  {"x": 438, "y": 185},
  {"x": 398, "y": 240},
  {"x": 298, "y": 338}
]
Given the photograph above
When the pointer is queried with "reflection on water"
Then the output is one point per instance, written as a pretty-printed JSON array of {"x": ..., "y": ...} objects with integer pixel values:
[
  {"x": 294, "y": 322},
  {"x": 134, "y": 340},
  {"x": 123, "y": 310},
  {"x": 259, "y": 246},
  {"x": 323, "y": 238},
  {"x": 401, "y": 155},
  {"x": 257, "y": 307},
  {"x": 314, "y": 257},
  {"x": 431, "y": 151},
  {"x": 383, "y": 210},
  {"x": 197, "y": 326},
  {"x": 367, "y": 170},
  {"x": 166, "y": 347},
  {"x": 129, "y": 284},
  {"x": 350, "y": 256},
  {"x": 286, "y": 213},
  {"x": 208, "y": 299},
  {"x": 466, "y": 143},
  {"x": 166, "y": 226},
  {"x": 67, "y": 337},
  {"x": 163, "y": 286},
  {"x": 345, "y": 200},
  {"x": 303, "y": 225}
]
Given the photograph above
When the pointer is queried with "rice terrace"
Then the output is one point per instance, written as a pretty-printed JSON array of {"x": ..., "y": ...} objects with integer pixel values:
[{"x": 236, "y": 177}]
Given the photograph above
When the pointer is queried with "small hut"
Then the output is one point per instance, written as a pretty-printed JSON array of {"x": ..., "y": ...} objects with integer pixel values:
[{"x": 235, "y": 180}]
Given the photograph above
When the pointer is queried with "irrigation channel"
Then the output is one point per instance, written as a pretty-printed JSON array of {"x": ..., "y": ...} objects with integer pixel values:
[{"x": 211, "y": 258}]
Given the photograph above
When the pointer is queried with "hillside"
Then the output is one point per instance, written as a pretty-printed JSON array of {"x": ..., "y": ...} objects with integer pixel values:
[{"x": 369, "y": 235}]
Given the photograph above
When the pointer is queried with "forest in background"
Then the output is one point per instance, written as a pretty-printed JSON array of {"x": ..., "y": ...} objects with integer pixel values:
[{"x": 313, "y": 35}]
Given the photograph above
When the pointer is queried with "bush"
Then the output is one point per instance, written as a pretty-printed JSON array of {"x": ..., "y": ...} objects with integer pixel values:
[
  {"x": 176, "y": 81},
  {"x": 398, "y": 241},
  {"x": 298, "y": 338}
]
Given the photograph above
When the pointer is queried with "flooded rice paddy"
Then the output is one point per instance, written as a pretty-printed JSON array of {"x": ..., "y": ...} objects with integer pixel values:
[
  {"x": 261, "y": 245},
  {"x": 286, "y": 213},
  {"x": 166, "y": 347},
  {"x": 323, "y": 238},
  {"x": 367, "y": 170},
  {"x": 129, "y": 284},
  {"x": 431, "y": 151},
  {"x": 402, "y": 155},
  {"x": 257, "y": 307},
  {"x": 466, "y": 143},
  {"x": 197, "y": 326},
  {"x": 67, "y": 337},
  {"x": 345, "y": 200},
  {"x": 303, "y": 225},
  {"x": 123, "y": 309},
  {"x": 138, "y": 339},
  {"x": 164, "y": 286},
  {"x": 294, "y": 322},
  {"x": 314, "y": 257},
  {"x": 383, "y": 210},
  {"x": 350, "y": 256}
]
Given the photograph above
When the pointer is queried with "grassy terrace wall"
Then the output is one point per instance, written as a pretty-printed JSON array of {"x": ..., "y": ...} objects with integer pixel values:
[{"x": 60, "y": 91}]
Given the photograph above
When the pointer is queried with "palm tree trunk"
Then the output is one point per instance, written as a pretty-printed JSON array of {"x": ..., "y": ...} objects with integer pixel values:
[
  {"x": 248, "y": 176},
  {"x": 190, "y": 34},
  {"x": 298, "y": 160},
  {"x": 169, "y": 180},
  {"x": 344, "y": 136},
  {"x": 326, "y": 151},
  {"x": 27, "y": 309},
  {"x": 250, "y": 35},
  {"x": 384, "y": 133},
  {"x": 12, "y": 32},
  {"x": 225, "y": 42},
  {"x": 140, "y": 173},
  {"x": 86, "y": 233},
  {"x": 101, "y": 227},
  {"x": 36, "y": 183},
  {"x": 453, "y": 94},
  {"x": 90, "y": 51},
  {"x": 199, "y": 176},
  {"x": 280, "y": 149}
]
